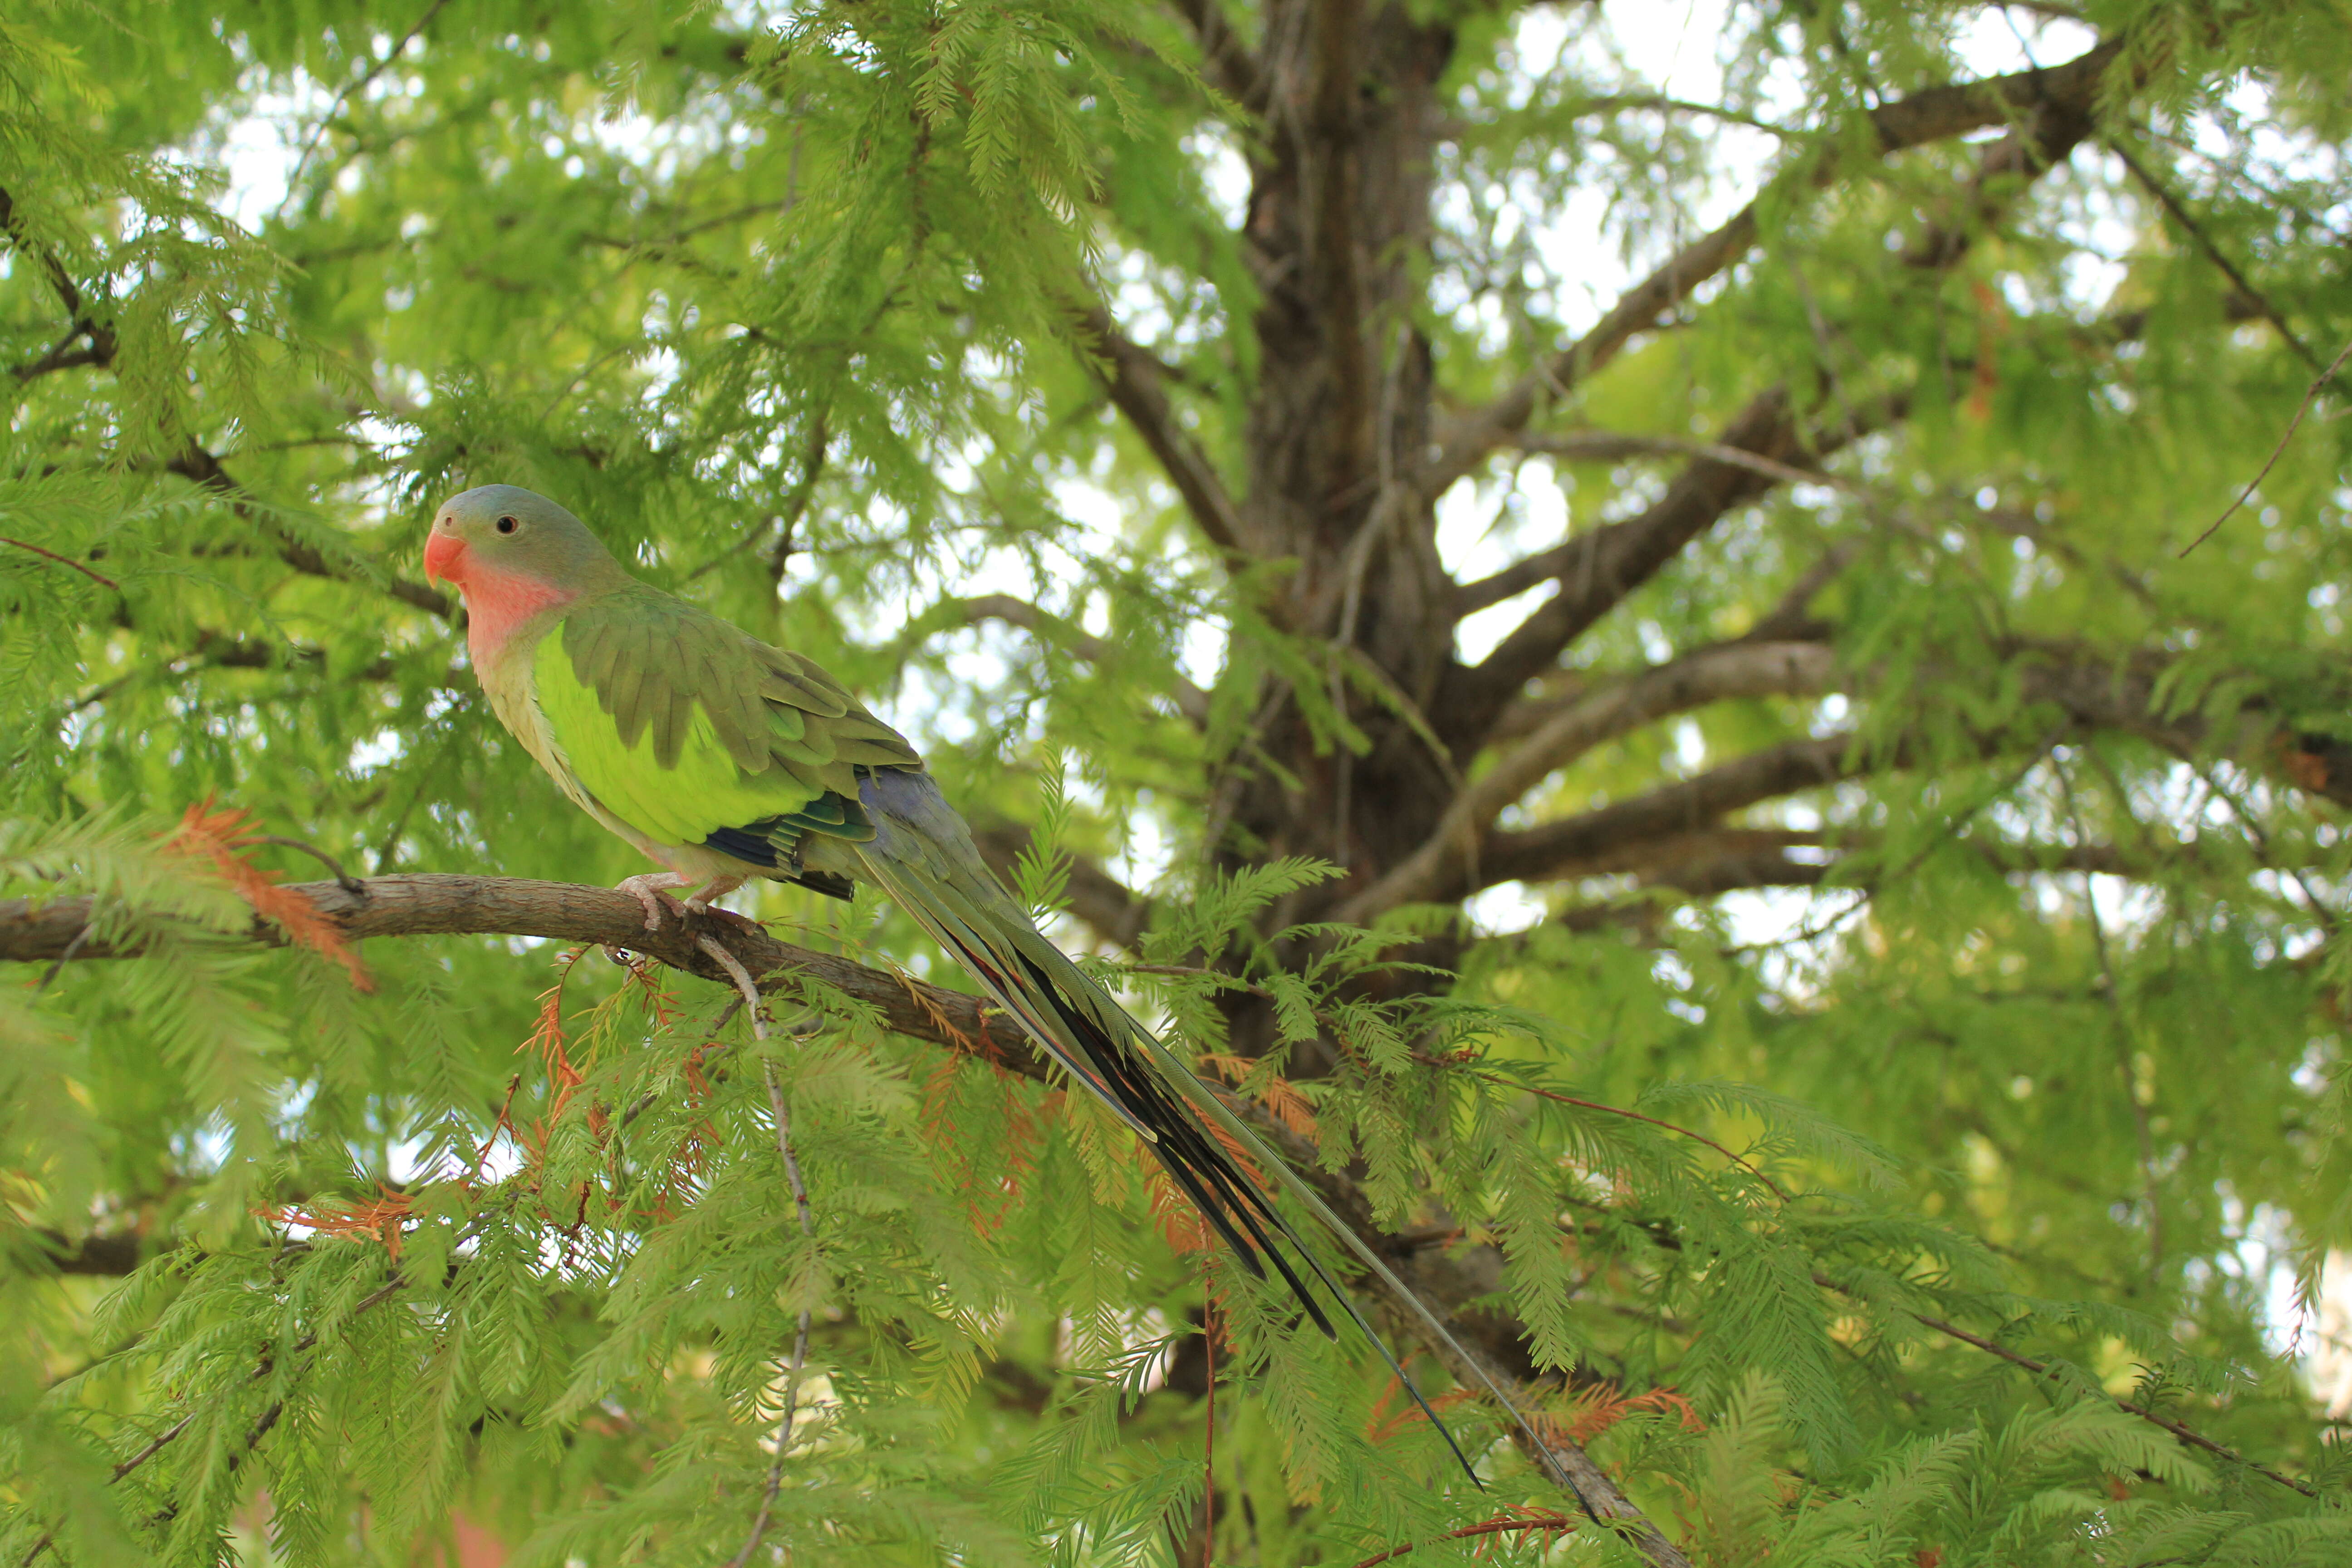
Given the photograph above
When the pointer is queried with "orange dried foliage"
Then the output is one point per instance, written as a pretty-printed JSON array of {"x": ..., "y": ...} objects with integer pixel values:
[
  {"x": 228, "y": 838},
  {"x": 1279, "y": 1096},
  {"x": 1020, "y": 1147},
  {"x": 380, "y": 1218},
  {"x": 504, "y": 1123},
  {"x": 662, "y": 1003},
  {"x": 1518, "y": 1519},
  {"x": 547, "y": 1040},
  {"x": 1597, "y": 1407},
  {"x": 1993, "y": 325},
  {"x": 1393, "y": 1411},
  {"x": 1180, "y": 1224},
  {"x": 940, "y": 1020}
]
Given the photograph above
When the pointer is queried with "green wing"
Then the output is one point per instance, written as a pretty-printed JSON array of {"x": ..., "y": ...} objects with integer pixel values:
[{"x": 684, "y": 729}]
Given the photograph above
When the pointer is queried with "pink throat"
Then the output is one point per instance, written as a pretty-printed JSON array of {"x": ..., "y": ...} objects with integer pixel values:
[{"x": 499, "y": 601}]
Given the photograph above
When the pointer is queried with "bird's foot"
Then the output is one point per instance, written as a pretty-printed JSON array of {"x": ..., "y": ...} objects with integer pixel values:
[
  {"x": 652, "y": 891},
  {"x": 718, "y": 888}
]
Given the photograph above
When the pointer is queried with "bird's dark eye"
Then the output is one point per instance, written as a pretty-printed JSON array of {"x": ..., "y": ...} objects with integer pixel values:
[{"x": 506, "y": 525}]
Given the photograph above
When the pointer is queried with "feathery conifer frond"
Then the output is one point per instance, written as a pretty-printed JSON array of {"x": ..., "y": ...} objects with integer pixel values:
[{"x": 1604, "y": 627}]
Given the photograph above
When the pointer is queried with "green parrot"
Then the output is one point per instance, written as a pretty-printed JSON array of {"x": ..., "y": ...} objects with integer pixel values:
[{"x": 723, "y": 759}]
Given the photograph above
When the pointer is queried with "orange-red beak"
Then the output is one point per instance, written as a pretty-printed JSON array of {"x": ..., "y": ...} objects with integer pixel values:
[{"x": 444, "y": 556}]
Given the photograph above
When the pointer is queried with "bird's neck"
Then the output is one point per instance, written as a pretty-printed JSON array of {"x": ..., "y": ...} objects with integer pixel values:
[{"x": 507, "y": 611}]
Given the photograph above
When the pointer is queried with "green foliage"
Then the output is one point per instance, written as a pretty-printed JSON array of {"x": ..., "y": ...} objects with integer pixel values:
[{"x": 1898, "y": 1203}]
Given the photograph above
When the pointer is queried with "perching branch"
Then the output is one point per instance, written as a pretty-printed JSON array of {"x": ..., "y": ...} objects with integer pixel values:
[
  {"x": 430, "y": 904},
  {"x": 427, "y": 904}
]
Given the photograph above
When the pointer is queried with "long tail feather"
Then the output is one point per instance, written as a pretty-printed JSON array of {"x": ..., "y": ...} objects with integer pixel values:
[{"x": 923, "y": 858}]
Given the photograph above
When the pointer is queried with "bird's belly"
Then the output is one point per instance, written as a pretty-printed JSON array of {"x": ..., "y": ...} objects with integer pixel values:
[{"x": 517, "y": 705}]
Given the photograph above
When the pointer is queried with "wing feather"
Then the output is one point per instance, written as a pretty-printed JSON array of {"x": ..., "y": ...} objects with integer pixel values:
[
  {"x": 620, "y": 697},
  {"x": 684, "y": 726}
]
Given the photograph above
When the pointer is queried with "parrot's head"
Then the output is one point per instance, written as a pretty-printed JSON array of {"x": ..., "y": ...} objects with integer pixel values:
[
  {"x": 501, "y": 536},
  {"x": 513, "y": 554}
]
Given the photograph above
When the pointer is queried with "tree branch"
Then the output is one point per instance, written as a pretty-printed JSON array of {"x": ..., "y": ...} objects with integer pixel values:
[
  {"x": 65, "y": 357},
  {"x": 1710, "y": 675},
  {"x": 1926, "y": 116},
  {"x": 1610, "y": 446},
  {"x": 106, "y": 1253},
  {"x": 1700, "y": 497},
  {"x": 202, "y": 467},
  {"x": 1598, "y": 569},
  {"x": 2088, "y": 692},
  {"x": 1596, "y": 842},
  {"x": 428, "y": 904},
  {"x": 431, "y": 904},
  {"x": 1228, "y": 63},
  {"x": 1130, "y": 377},
  {"x": 1189, "y": 699},
  {"x": 61, "y": 284},
  {"x": 1715, "y": 861}
]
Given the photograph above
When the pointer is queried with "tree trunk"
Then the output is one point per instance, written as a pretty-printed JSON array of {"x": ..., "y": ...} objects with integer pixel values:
[{"x": 1339, "y": 232}]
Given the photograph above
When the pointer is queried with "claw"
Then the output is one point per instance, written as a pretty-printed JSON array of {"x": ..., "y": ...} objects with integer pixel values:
[
  {"x": 718, "y": 888},
  {"x": 652, "y": 891}
]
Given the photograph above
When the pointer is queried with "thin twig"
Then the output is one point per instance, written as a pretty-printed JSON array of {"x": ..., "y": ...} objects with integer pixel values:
[
  {"x": 1550, "y": 1521},
  {"x": 2188, "y": 1435},
  {"x": 782, "y": 1111},
  {"x": 2125, "y": 1036},
  {"x": 343, "y": 880},
  {"x": 1209, "y": 1436},
  {"x": 2213, "y": 252},
  {"x": 99, "y": 579},
  {"x": 741, "y": 976},
  {"x": 1778, "y": 1191},
  {"x": 64, "y": 958},
  {"x": 375, "y": 69},
  {"x": 2310, "y": 395}
]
